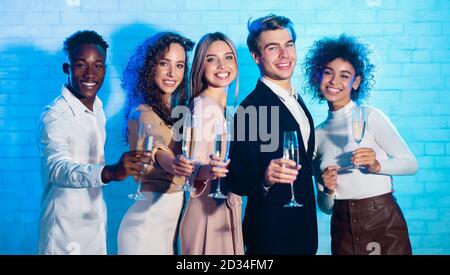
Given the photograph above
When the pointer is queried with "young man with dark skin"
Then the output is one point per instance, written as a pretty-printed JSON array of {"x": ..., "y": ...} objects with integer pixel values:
[{"x": 71, "y": 139}]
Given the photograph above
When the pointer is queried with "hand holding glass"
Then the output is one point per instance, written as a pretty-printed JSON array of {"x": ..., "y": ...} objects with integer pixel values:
[
  {"x": 359, "y": 120},
  {"x": 221, "y": 150},
  {"x": 290, "y": 151},
  {"x": 144, "y": 142},
  {"x": 188, "y": 146}
]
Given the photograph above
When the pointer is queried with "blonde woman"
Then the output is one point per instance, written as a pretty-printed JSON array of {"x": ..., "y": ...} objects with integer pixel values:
[{"x": 211, "y": 226}]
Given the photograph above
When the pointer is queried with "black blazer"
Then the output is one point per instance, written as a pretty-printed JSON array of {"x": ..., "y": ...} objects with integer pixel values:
[{"x": 270, "y": 228}]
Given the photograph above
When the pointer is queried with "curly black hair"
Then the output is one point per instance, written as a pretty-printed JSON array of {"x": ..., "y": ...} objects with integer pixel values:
[
  {"x": 328, "y": 49},
  {"x": 83, "y": 37},
  {"x": 138, "y": 80}
]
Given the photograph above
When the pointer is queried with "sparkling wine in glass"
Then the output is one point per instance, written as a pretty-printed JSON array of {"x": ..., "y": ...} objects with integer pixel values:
[
  {"x": 359, "y": 121},
  {"x": 144, "y": 143},
  {"x": 188, "y": 146},
  {"x": 221, "y": 150},
  {"x": 290, "y": 151}
]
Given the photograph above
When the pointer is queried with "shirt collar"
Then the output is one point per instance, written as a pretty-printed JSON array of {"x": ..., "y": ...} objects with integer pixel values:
[
  {"x": 76, "y": 105},
  {"x": 343, "y": 112},
  {"x": 282, "y": 93}
]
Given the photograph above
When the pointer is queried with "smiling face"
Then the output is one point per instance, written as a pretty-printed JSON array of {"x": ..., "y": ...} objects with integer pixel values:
[
  {"x": 169, "y": 71},
  {"x": 220, "y": 65},
  {"x": 338, "y": 79},
  {"x": 277, "y": 57},
  {"x": 86, "y": 72}
]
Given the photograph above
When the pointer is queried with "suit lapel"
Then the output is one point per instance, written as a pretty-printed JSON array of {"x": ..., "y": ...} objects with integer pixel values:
[
  {"x": 287, "y": 120},
  {"x": 311, "y": 140}
]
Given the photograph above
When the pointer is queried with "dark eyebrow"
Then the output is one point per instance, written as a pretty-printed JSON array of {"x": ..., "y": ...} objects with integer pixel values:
[
  {"x": 277, "y": 44},
  {"x": 211, "y": 54},
  {"x": 169, "y": 60},
  {"x": 271, "y": 44},
  {"x": 84, "y": 60},
  {"x": 345, "y": 71}
]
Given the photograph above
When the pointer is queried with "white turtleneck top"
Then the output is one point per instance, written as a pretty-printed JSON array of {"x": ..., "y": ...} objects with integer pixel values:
[{"x": 335, "y": 144}]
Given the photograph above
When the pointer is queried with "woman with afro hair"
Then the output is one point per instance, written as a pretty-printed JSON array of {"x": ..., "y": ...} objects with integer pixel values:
[{"x": 354, "y": 181}]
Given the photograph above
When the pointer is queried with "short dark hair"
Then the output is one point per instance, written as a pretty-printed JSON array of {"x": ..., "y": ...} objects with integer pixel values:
[
  {"x": 268, "y": 22},
  {"x": 350, "y": 49},
  {"x": 83, "y": 37}
]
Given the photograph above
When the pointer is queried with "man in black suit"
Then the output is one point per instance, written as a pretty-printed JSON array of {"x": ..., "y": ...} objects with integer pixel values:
[{"x": 257, "y": 169}]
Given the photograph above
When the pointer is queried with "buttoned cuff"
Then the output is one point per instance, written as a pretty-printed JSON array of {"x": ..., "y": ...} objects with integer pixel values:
[{"x": 97, "y": 172}]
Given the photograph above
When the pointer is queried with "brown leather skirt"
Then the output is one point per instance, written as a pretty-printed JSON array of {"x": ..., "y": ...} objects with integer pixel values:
[{"x": 371, "y": 226}]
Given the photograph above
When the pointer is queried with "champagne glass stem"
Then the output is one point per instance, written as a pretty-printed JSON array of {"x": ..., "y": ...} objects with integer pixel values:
[
  {"x": 139, "y": 185},
  {"x": 357, "y": 147},
  {"x": 218, "y": 186},
  {"x": 187, "y": 186},
  {"x": 292, "y": 192}
]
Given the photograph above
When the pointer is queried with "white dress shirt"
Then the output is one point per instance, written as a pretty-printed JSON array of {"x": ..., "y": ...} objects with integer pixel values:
[
  {"x": 334, "y": 141},
  {"x": 289, "y": 98},
  {"x": 71, "y": 142}
]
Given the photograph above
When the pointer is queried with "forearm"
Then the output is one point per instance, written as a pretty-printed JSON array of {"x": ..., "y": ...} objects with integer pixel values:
[
  {"x": 165, "y": 160},
  {"x": 400, "y": 161},
  {"x": 398, "y": 166},
  {"x": 245, "y": 180},
  {"x": 66, "y": 174},
  {"x": 108, "y": 173},
  {"x": 203, "y": 173}
]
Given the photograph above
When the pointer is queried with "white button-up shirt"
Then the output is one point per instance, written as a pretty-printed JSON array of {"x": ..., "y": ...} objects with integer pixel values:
[
  {"x": 71, "y": 142},
  {"x": 290, "y": 101}
]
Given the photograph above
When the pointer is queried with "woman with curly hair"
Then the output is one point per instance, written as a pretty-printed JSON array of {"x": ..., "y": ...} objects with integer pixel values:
[
  {"x": 365, "y": 215},
  {"x": 155, "y": 80}
]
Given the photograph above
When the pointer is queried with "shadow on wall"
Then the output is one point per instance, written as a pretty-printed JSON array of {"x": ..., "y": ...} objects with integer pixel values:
[
  {"x": 247, "y": 72},
  {"x": 123, "y": 44},
  {"x": 31, "y": 78}
]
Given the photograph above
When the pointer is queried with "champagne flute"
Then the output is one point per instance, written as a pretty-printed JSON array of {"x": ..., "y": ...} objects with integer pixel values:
[
  {"x": 290, "y": 151},
  {"x": 359, "y": 120},
  {"x": 221, "y": 150},
  {"x": 144, "y": 142},
  {"x": 188, "y": 146}
]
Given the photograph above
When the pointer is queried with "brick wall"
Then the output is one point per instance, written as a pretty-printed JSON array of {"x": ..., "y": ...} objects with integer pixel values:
[{"x": 412, "y": 44}]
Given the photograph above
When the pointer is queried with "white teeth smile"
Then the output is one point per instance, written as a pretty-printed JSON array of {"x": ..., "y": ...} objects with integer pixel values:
[
  {"x": 222, "y": 75},
  {"x": 283, "y": 65},
  {"x": 89, "y": 84},
  {"x": 333, "y": 90},
  {"x": 169, "y": 82}
]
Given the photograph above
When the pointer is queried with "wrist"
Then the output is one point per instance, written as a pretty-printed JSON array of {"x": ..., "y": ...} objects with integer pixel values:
[
  {"x": 107, "y": 174},
  {"x": 329, "y": 191},
  {"x": 376, "y": 167},
  {"x": 267, "y": 184},
  {"x": 204, "y": 173}
]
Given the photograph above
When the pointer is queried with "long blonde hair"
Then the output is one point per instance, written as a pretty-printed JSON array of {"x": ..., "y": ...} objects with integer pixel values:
[{"x": 197, "y": 81}]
